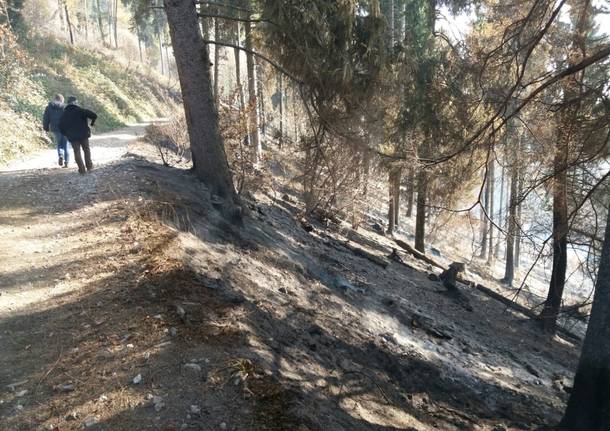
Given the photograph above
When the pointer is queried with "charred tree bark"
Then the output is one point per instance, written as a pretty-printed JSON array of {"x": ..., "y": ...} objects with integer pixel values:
[
  {"x": 192, "y": 62},
  {"x": 393, "y": 197},
  {"x": 589, "y": 404}
]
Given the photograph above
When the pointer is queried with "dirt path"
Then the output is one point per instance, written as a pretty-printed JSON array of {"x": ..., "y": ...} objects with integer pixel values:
[{"x": 43, "y": 208}]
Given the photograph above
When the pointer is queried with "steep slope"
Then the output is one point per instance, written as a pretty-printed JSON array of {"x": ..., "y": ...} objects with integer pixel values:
[{"x": 35, "y": 68}]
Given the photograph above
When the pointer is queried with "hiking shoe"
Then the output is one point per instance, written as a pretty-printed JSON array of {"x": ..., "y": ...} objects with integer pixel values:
[
  {"x": 65, "y": 165},
  {"x": 61, "y": 161}
]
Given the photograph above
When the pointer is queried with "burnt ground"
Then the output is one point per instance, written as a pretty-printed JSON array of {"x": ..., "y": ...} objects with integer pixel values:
[{"x": 127, "y": 302}]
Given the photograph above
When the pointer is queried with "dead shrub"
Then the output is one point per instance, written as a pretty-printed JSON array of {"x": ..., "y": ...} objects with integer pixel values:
[{"x": 171, "y": 140}]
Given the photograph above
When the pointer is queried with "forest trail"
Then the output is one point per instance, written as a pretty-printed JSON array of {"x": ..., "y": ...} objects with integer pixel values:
[
  {"x": 126, "y": 302},
  {"x": 44, "y": 220}
]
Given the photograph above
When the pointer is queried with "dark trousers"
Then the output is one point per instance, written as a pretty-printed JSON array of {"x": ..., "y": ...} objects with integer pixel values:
[
  {"x": 62, "y": 146},
  {"x": 76, "y": 146}
]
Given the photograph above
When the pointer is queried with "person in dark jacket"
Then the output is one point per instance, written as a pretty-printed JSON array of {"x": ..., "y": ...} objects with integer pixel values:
[
  {"x": 74, "y": 125},
  {"x": 50, "y": 123}
]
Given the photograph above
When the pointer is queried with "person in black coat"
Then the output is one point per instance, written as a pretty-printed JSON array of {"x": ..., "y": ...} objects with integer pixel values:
[
  {"x": 74, "y": 125},
  {"x": 50, "y": 123}
]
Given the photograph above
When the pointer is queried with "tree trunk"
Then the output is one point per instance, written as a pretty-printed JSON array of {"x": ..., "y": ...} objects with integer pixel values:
[
  {"x": 86, "y": 16},
  {"x": 139, "y": 43},
  {"x": 391, "y": 202},
  {"x": 281, "y": 106},
  {"x": 160, "y": 51},
  {"x": 567, "y": 130},
  {"x": 519, "y": 206},
  {"x": 397, "y": 177},
  {"x": 589, "y": 404},
  {"x": 240, "y": 87},
  {"x": 110, "y": 2},
  {"x": 115, "y": 19},
  {"x": 98, "y": 11},
  {"x": 509, "y": 272},
  {"x": 69, "y": 24},
  {"x": 192, "y": 62},
  {"x": 216, "y": 63},
  {"x": 485, "y": 222},
  {"x": 252, "y": 97},
  {"x": 260, "y": 91},
  {"x": 410, "y": 192},
  {"x": 500, "y": 212},
  {"x": 420, "y": 211},
  {"x": 491, "y": 183}
]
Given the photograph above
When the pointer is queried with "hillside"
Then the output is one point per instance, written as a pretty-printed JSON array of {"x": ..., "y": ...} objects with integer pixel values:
[
  {"x": 37, "y": 67},
  {"x": 152, "y": 312}
]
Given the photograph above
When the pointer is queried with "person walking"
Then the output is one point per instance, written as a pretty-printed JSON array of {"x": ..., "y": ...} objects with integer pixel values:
[
  {"x": 50, "y": 123},
  {"x": 74, "y": 125}
]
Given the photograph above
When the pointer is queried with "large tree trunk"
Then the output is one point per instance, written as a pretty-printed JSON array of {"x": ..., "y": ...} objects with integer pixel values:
[
  {"x": 491, "y": 183},
  {"x": 566, "y": 134},
  {"x": 589, "y": 404},
  {"x": 192, "y": 62},
  {"x": 420, "y": 210},
  {"x": 252, "y": 96}
]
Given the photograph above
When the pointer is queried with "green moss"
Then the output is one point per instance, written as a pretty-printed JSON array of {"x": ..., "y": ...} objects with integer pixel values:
[{"x": 118, "y": 95}]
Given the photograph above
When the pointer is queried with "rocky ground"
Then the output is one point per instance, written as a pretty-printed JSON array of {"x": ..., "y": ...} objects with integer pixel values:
[{"x": 128, "y": 303}]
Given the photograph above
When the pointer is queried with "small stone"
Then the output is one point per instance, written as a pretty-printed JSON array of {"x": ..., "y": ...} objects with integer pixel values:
[
  {"x": 195, "y": 409},
  {"x": 65, "y": 387},
  {"x": 19, "y": 407},
  {"x": 21, "y": 393},
  {"x": 173, "y": 331},
  {"x": 223, "y": 426},
  {"x": 192, "y": 367},
  {"x": 158, "y": 403},
  {"x": 183, "y": 427},
  {"x": 102, "y": 398},
  {"x": 137, "y": 379},
  {"x": 90, "y": 421}
]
